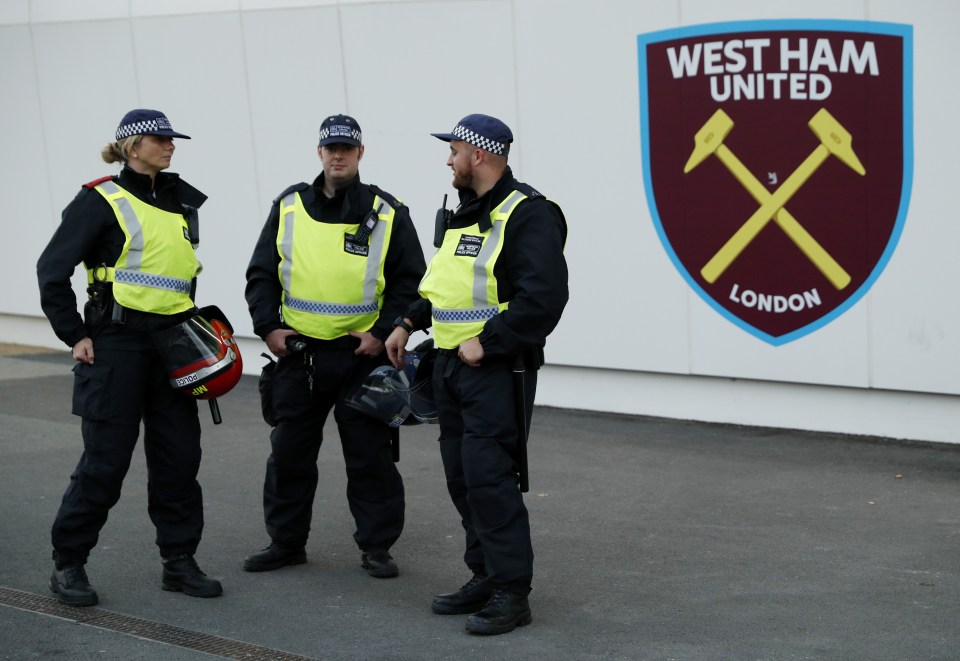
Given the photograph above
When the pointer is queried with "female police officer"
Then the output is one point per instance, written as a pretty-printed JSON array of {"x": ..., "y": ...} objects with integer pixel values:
[{"x": 136, "y": 234}]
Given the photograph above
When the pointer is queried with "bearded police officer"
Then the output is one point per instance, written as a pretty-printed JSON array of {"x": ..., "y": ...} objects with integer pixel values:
[
  {"x": 492, "y": 293},
  {"x": 336, "y": 263},
  {"x": 136, "y": 233}
]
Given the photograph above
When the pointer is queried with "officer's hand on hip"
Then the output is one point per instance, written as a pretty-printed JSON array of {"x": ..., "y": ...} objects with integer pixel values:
[
  {"x": 369, "y": 345},
  {"x": 471, "y": 352},
  {"x": 277, "y": 341},
  {"x": 397, "y": 346},
  {"x": 83, "y": 351}
]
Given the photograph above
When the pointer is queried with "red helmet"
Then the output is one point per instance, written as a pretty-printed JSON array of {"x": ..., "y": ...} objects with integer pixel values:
[{"x": 202, "y": 358}]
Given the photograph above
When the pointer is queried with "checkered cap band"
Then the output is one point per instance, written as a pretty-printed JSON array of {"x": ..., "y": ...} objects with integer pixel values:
[
  {"x": 331, "y": 309},
  {"x": 463, "y": 316},
  {"x": 146, "y": 126},
  {"x": 340, "y": 131},
  {"x": 477, "y": 140},
  {"x": 141, "y": 279}
]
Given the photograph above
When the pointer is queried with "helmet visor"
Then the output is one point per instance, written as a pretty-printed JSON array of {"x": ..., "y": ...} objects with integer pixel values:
[
  {"x": 421, "y": 403},
  {"x": 418, "y": 372},
  {"x": 396, "y": 397},
  {"x": 378, "y": 397},
  {"x": 193, "y": 351}
]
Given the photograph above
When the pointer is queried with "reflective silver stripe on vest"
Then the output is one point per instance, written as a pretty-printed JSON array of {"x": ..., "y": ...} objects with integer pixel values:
[
  {"x": 132, "y": 275},
  {"x": 512, "y": 200},
  {"x": 481, "y": 310},
  {"x": 375, "y": 253},
  {"x": 370, "y": 278},
  {"x": 286, "y": 241},
  {"x": 480, "y": 278}
]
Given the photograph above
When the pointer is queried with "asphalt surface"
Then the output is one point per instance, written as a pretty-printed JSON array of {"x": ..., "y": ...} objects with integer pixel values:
[{"x": 655, "y": 539}]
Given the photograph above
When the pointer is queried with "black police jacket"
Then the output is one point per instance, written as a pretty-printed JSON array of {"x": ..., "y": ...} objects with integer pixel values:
[
  {"x": 89, "y": 233},
  {"x": 403, "y": 269},
  {"x": 531, "y": 270}
]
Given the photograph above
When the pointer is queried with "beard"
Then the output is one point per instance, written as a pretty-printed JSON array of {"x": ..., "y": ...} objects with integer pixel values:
[{"x": 462, "y": 181}]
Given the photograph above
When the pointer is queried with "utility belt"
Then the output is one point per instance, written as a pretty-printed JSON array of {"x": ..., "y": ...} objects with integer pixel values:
[
  {"x": 307, "y": 349},
  {"x": 347, "y": 342},
  {"x": 101, "y": 307},
  {"x": 531, "y": 359}
]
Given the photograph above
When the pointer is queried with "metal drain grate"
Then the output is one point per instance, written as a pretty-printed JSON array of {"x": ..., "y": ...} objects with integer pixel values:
[{"x": 134, "y": 626}]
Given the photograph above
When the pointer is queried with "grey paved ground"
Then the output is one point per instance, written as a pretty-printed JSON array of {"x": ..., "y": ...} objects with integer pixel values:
[{"x": 655, "y": 539}]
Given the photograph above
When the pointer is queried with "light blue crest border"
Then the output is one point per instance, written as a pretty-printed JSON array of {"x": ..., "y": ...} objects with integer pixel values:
[{"x": 896, "y": 29}]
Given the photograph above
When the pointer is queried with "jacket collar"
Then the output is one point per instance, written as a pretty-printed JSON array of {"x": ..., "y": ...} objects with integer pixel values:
[
  {"x": 142, "y": 184},
  {"x": 349, "y": 198},
  {"x": 471, "y": 205},
  {"x": 166, "y": 189}
]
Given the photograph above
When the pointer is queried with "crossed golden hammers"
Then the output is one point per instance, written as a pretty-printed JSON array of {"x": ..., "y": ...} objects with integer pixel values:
[{"x": 834, "y": 139}]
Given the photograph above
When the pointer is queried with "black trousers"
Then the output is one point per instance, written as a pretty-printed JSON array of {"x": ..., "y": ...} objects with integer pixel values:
[
  {"x": 113, "y": 395},
  {"x": 478, "y": 444},
  {"x": 374, "y": 486}
]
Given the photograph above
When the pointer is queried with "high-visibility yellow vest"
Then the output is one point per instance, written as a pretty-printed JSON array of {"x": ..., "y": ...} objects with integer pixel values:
[
  {"x": 157, "y": 263},
  {"x": 459, "y": 281},
  {"x": 332, "y": 283}
]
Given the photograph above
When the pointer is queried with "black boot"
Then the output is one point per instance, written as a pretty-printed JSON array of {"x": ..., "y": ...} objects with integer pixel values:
[
  {"x": 468, "y": 599},
  {"x": 503, "y": 613},
  {"x": 379, "y": 563},
  {"x": 181, "y": 574},
  {"x": 275, "y": 556},
  {"x": 72, "y": 587}
]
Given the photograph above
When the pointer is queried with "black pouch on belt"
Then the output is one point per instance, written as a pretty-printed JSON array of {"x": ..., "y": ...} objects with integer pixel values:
[
  {"x": 265, "y": 386},
  {"x": 99, "y": 300}
]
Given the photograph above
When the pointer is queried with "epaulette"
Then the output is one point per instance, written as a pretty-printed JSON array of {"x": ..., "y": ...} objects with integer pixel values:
[
  {"x": 189, "y": 195},
  {"x": 96, "y": 182},
  {"x": 290, "y": 189},
  {"x": 391, "y": 200},
  {"x": 528, "y": 190}
]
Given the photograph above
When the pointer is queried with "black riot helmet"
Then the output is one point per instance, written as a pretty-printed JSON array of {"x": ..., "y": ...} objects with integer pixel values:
[{"x": 400, "y": 396}]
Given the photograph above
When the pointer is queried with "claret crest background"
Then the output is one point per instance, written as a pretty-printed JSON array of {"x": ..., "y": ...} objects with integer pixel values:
[{"x": 777, "y": 163}]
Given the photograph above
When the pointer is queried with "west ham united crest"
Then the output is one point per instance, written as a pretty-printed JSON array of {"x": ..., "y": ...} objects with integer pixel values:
[{"x": 777, "y": 160}]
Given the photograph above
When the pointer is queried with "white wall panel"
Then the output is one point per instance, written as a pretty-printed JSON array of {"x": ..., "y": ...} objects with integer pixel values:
[
  {"x": 404, "y": 84},
  {"x": 915, "y": 320},
  {"x": 295, "y": 77},
  {"x": 253, "y": 5},
  {"x": 709, "y": 11},
  {"x": 836, "y": 355},
  {"x": 761, "y": 403},
  {"x": 58, "y": 11},
  {"x": 580, "y": 129},
  {"x": 28, "y": 214},
  {"x": 87, "y": 81},
  {"x": 14, "y": 12},
  {"x": 145, "y": 8},
  {"x": 411, "y": 166},
  {"x": 203, "y": 90},
  {"x": 367, "y": 2}
]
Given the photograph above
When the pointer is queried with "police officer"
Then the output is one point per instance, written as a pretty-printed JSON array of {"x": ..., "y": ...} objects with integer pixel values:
[
  {"x": 135, "y": 233},
  {"x": 493, "y": 292},
  {"x": 336, "y": 263}
]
